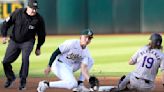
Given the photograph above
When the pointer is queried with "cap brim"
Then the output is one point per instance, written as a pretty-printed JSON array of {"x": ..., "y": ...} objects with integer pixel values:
[
  {"x": 90, "y": 36},
  {"x": 34, "y": 7}
]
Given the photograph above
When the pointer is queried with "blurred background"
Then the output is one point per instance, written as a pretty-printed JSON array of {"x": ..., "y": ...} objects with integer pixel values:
[
  {"x": 132, "y": 18},
  {"x": 103, "y": 16}
]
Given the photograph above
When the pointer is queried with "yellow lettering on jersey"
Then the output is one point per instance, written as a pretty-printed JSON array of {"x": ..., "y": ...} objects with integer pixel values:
[
  {"x": 0, "y": 11},
  {"x": 5, "y": 10}
]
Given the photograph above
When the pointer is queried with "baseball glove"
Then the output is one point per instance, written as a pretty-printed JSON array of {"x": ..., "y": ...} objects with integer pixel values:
[{"x": 94, "y": 83}]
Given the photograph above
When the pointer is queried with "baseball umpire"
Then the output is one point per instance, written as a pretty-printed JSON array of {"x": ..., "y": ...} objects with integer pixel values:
[{"x": 26, "y": 24}]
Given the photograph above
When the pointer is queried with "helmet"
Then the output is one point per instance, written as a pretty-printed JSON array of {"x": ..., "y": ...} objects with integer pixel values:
[{"x": 156, "y": 39}]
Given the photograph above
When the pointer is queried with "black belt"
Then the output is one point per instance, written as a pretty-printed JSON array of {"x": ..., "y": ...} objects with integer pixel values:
[
  {"x": 146, "y": 81},
  {"x": 60, "y": 61}
]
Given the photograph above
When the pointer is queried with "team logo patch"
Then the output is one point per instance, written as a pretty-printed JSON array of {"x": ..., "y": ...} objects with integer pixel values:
[
  {"x": 31, "y": 27},
  {"x": 34, "y": 4},
  {"x": 89, "y": 33}
]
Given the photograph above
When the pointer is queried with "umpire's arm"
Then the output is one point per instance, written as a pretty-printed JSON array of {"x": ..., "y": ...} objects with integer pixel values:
[
  {"x": 8, "y": 22},
  {"x": 41, "y": 34}
]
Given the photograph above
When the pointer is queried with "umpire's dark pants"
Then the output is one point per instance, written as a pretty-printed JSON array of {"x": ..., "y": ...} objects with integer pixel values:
[{"x": 13, "y": 51}]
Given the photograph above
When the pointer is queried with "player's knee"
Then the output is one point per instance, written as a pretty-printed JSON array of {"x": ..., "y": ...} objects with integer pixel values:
[{"x": 5, "y": 62}]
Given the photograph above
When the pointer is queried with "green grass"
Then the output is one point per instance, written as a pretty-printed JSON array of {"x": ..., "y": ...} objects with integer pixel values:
[{"x": 110, "y": 53}]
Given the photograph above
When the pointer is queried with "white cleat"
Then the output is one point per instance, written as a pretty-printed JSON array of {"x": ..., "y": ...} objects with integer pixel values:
[
  {"x": 42, "y": 86},
  {"x": 81, "y": 88},
  {"x": 75, "y": 89}
]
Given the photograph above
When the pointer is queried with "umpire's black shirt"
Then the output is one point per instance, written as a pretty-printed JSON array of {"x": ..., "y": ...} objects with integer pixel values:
[{"x": 25, "y": 27}]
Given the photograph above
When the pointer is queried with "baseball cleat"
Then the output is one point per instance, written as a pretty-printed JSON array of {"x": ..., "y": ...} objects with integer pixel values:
[
  {"x": 42, "y": 86},
  {"x": 22, "y": 86},
  {"x": 81, "y": 88},
  {"x": 114, "y": 90},
  {"x": 9, "y": 83},
  {"x": 75, "y": 89}
]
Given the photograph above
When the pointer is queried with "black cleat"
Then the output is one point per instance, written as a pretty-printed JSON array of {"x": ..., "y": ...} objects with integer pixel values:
[
  {"x": 22, "y": 86},
  {"x": 8, "y": 83}
]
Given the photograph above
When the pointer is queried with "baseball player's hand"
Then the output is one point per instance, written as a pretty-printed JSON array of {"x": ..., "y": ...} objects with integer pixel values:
[
  {"x": 37, "y": 52},
  {"x": 47, "y": 70},
  {"x": 4, "y": 40}
]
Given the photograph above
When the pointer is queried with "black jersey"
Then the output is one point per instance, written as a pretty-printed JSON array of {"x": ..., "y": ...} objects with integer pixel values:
[{"x": 25, "y": 27}]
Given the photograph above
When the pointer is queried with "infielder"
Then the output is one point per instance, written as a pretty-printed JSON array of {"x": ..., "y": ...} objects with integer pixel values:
[
  {"x": 147, "y": 60},
  {"x": 69, "y": 57}
]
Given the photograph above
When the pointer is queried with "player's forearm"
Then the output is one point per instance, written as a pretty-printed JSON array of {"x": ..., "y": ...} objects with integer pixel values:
[
  {"x": 87, "y": 75},
  {"x": 162, "y": 77},
  {"x": 85, "y": 71}
]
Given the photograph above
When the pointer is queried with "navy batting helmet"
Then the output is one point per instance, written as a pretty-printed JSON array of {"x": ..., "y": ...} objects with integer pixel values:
[{"x": 156, "y": 39}]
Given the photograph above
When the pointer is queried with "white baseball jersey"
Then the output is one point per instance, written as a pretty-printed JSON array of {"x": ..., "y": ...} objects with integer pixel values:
[
  {"x": 69, "y": 61},
  {"x": 148, "y": 62},
  {"x": 72, "y": 53}
]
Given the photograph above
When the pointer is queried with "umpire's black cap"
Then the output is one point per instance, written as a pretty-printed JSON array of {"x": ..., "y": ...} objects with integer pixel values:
[
  {"x": 87, "y": 32},
  {"x": 33, "y": 4}
]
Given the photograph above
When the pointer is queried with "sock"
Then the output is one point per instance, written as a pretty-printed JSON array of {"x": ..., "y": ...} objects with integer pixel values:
[
  {"x": 79, "y": 82},
  {"x": 47, "y": 83}
]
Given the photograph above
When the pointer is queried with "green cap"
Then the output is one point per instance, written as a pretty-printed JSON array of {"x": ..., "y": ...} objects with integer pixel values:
[{"x": 88, "y": 32}]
